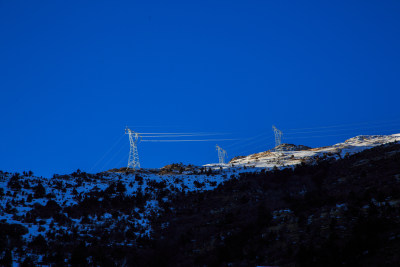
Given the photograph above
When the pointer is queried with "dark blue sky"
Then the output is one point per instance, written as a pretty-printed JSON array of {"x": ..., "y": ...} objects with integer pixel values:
[{"x": 74, "y": 73}]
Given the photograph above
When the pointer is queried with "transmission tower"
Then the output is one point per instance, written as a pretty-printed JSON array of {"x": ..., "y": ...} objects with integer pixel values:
[
  {"x": 221, "y": 154},
  {"x": 278, "y": 138},
  {"x": 134, "y": 138}
]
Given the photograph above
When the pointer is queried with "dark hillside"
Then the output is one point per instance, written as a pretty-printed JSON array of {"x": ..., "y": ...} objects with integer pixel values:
[{"x": 343, "y": 212}]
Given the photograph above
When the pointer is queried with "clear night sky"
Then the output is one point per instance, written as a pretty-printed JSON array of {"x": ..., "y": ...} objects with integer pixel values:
[{"x": 74, "y": 73}]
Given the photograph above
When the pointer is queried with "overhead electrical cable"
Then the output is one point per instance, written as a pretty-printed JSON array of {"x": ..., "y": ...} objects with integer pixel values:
[
  {"x": 177, "y": 135},
  {"x": 254, "y": 148},
  {"x": 121, "y": 160},
  {"x": 317, "y": 136},
  {"x": 113, "y": 157},
  {"x": 189, "y": 140},
  {"x": 345, "y": 125},
  {"x": 365, "y": 131},
  {"x": 345, "y": 129},
  {"x": 195, "y": 133},
  {"x": 106, "y": 153},
  {"x": 246, "y": 140},
  {"x": 264, "y": 140}
]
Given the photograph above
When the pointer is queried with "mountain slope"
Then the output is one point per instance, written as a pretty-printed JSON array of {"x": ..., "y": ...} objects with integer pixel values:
[
  {"x": 208, "y": 214},
  {"x": 336, "y": 212}
]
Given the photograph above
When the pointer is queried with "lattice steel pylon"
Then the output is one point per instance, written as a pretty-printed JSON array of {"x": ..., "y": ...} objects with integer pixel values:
[
  {"x": 134, "y": 138},
  {"x": 221, "y": 154},
  {"x": 278, "y": 138}
]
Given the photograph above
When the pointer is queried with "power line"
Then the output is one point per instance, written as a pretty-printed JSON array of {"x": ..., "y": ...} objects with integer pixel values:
[
  {"x": 246, "y": 139},
  {"x": 120, "y": 161},
  {"x": 170, "y": 137},
  {"x": 252, "y": 149},
  {"x": 189, "y": 140},
  {"x": 177, "y": 135},
  {"x": 345, "y": 125},
  {"x": 152, "y": 126},
  {"x": 106, "y": 153},
  {"x": 305, "y": 137},
  {"x": 344, "y": 129},
  {"x": 264, "y": 139},
  {"x": 193, "y": 133},
  {"x": 113, "y": 157},
  {"x": 237, "y": 151}
]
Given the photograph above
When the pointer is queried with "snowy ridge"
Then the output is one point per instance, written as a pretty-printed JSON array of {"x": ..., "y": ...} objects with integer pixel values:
[{"x": 292, "y": 156}]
